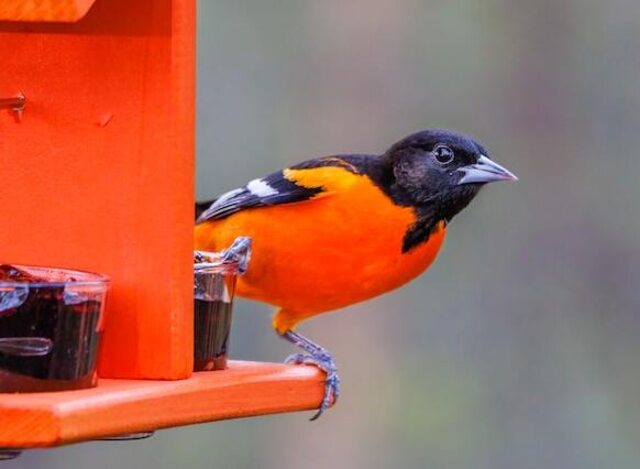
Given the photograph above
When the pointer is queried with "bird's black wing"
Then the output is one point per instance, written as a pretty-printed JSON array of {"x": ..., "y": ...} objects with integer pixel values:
[
  {"x": 274, "y": 189},
  {"x": 271, "y": 190}
]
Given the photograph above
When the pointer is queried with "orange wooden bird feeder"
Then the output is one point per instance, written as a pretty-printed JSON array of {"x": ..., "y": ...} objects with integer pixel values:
[{"x": 96, "y": 164}]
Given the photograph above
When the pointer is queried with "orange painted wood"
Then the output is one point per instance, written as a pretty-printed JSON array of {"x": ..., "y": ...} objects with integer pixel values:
[
  {"x": 98, "y": 174},
  {"x": 126, "y": 406},
  {"x": 44, "y": 10}
]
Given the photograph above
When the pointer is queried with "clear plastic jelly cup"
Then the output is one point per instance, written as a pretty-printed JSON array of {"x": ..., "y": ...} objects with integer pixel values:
[
  {"x": 50, "y": 327},
  {"x": 215, "y": 276}
]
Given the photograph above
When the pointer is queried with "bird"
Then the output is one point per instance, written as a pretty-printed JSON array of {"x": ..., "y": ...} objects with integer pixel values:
[{"x": 341, "y": 229}]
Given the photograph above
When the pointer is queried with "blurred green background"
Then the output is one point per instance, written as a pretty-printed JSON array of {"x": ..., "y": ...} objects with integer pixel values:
[{"x": 519, "y": 348}]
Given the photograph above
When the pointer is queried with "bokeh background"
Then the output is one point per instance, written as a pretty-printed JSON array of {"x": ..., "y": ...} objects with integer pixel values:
[{"x": 519, "y": 348}]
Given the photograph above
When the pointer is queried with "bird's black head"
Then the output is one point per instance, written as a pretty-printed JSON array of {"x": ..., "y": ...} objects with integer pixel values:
[{"x": 439, "y": 172}]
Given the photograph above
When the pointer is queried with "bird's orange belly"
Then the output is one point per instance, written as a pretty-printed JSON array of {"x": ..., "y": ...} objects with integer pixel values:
[{"x": 324, "y": 254}]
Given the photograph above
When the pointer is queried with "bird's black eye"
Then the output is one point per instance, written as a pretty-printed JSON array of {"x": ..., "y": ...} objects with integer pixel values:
[{"x": 443, "y": 154}]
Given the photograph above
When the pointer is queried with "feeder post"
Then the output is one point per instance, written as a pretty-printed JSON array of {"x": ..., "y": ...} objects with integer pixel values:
[{"x": 98, "y": 172}]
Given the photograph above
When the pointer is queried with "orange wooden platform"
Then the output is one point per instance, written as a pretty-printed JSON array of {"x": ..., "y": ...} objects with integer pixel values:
[{"x": 127, "y": 406}]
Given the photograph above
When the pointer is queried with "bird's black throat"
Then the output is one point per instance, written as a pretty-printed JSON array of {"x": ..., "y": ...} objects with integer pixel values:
[{"x": 440, "y": 208}]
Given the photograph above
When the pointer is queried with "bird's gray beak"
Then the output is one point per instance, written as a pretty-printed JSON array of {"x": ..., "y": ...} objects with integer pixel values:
[{"x": 485, "y": 171}]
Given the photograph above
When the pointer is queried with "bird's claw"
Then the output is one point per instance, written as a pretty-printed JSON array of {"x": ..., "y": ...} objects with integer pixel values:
[
  {"x": 296, "y": 359},
  {"x": 239, "y": 253},
  {"x": 323, "y": 360}
]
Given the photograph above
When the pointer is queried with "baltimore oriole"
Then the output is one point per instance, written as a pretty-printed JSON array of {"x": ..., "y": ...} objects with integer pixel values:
[{"x": 334, "y": 231}]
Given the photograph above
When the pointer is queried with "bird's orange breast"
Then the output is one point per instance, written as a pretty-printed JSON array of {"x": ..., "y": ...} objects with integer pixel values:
[{"x": 328, "y": 252}]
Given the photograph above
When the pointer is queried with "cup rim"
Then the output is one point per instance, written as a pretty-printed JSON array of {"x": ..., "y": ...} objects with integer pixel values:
[
  {"x": 80, "y": 278},
  {"x": 214, "y": 264},
  {"x": 215, "y": 268}
]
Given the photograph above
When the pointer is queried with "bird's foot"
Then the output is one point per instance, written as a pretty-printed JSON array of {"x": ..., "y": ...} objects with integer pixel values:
[
  {"x": 239, "y": 253},
  {"x": 321, "y": 358}
]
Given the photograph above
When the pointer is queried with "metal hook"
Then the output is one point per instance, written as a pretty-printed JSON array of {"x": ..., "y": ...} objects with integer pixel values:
[{"x": 15, "y": 104}]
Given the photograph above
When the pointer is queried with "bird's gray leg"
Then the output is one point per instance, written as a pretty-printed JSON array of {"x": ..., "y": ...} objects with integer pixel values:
[{"x": 320, "y": 357}]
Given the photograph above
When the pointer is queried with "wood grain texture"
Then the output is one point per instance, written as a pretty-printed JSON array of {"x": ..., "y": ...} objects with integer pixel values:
[
  {"x": 98, "y": 175},
  {"x": 126, "y": 406},
  {"x": 44, "y": 10}
]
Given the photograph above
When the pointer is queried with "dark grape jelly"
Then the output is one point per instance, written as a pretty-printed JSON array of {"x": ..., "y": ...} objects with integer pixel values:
[
  {"x": 211, "y": 339},
  {"x": 50, "y": 328}
]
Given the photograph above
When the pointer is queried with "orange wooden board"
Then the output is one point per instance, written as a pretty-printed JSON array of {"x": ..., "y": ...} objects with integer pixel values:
[
  {"x": 44, "y": 10},
  {"x": 126, "y": 406},
  {"x": 98, "y": 174}
]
